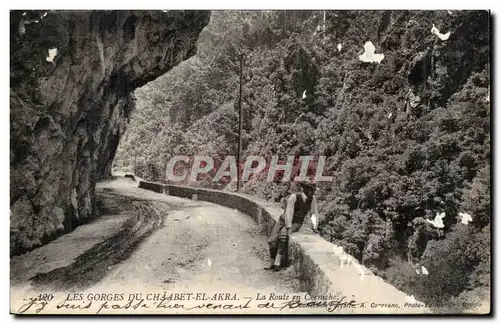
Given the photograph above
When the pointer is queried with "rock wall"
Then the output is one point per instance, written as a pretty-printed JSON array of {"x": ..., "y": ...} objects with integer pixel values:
[{"x": 72, "y": 78}]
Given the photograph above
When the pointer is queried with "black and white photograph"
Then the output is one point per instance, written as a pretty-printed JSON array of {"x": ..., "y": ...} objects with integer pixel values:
[{"x": 241, "y": 162}]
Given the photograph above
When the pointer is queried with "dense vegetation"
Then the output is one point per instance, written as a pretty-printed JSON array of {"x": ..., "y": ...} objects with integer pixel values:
[{"x": 407, "y": 138}]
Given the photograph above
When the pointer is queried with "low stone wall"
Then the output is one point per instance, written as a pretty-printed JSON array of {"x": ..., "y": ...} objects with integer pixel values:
[
  {"x": 322, "y": 267},
  {"x": 156, "y": 187},
  {"x": 259, "y": 210}
]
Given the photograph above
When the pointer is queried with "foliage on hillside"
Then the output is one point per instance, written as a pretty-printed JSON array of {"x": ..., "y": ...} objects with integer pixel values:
[{"x": 406, "y": 139}]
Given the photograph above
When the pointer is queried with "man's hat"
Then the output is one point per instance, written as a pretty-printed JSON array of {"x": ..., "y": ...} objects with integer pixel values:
[{"x": 307, "y": 185}]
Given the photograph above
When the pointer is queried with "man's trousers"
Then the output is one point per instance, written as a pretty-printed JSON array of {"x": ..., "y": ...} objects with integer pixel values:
[{"x": 278, "y": 242}]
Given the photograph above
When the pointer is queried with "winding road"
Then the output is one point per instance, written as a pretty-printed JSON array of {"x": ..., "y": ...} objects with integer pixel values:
[{"x": 146, "y": 241}]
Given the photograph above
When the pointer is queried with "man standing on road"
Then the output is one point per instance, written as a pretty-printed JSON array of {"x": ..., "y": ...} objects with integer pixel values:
[{"x": 298, "y": 205}]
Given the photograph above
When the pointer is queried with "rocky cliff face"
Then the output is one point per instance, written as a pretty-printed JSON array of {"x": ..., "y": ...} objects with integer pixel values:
[{"x": 72, "y": 80}]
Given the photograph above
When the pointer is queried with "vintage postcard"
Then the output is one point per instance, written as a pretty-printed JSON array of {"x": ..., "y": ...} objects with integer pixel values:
[{"x": 250, "y": 162}]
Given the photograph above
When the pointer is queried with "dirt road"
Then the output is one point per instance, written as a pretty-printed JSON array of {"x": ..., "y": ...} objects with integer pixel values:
[
  {"x": 155, "y": 243},
  {"x": 200, "y": 245}
]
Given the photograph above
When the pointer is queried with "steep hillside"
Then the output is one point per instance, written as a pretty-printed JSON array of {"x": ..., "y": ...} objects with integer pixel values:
[{"x": 407, "y": 133}]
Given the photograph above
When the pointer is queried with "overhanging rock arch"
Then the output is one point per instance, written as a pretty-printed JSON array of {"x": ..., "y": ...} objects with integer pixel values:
[{"x": 72, "y": 78}]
